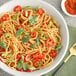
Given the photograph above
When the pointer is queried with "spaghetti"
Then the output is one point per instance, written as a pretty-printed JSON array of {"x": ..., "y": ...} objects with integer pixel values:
[{"x": 29, "y": 39}]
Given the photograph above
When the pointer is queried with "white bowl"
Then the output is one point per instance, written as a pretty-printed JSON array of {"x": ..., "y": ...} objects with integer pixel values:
[
  {"x": 64, "y": 9},
  {"x": 63, "y": 28}
]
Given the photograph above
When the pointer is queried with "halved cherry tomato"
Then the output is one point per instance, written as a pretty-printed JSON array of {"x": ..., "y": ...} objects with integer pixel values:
[
  {"x": 19, "y": 56},
  {"x": 47, "y": 22},
  {"x": 29, "y": 70},
  {"x": 27, "y": 58},
  {"x": 19, "y": 26},
  {"x": 2, "y": 50},
  {"x": 53, "y": 53},
  {"x": 40, "y": 11},
  {"x": 20, "y": 70},
  {"x": 38, "y": 55},
  {"x": 25, "y": 14},
  {"x": 33, "y": 34},
  {"x": 1, "y": 33},
  {"x": 4, "y": 17},
  {"x": 49, "y": 42},
  {"x": 17, "y": 8},
  {"x": 36, "y": 63}
]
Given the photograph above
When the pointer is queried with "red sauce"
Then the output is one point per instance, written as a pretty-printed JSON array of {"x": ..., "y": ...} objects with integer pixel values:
[{"x": 70, "y": 6}]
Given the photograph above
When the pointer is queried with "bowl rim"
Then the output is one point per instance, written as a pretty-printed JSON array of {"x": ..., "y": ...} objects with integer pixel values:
[
  {"x": 64, "y": 10},
  {"x": 66, "y": 32}
]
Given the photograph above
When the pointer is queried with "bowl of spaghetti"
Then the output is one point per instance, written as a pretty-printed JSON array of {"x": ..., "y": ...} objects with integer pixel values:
[{"x": 33, "y": 37}]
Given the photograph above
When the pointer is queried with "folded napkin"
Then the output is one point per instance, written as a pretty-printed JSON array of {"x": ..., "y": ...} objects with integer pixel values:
[{"x": 69, "y": 68}]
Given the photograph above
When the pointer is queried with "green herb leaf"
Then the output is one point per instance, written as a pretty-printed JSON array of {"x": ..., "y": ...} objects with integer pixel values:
[
  {"x": 38, "y": 41},
  {"x": 8, "y": 55},
  {"x": 25, "y": 40},
  {"x": 6, "y": 35},
  {"x": 42, "y": 34},
  {"x": 10, "y": 59},
  {"x": 32, "y": 68},
  {"x": 14, "y": 17},
  {"x": 3, "y": 44},
  {"x": 44, "y": 38},
  {"x": 27, "y": 7},
  {"x": 26, "y": 33},
  {"x": 35, "y": 18},
  {"x": 22, "y": 59},
  {"x": 25, "y": 66},
  {"x": 19, "y": 65},
  {"x": 19, "y": 32},
  {"x": 32, "y": 20},
  {"x": 26, "y": 13},
  {"x": 58, "y": 47},
  {"x": 32, "y": 46},
  {"x": 49, "y": 25},
  {"x": 3, "y": 54},
  {"x": 37, "y": 8}
]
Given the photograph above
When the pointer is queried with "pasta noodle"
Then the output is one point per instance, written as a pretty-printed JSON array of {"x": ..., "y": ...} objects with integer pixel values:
[{"x": 29, "y": 39}]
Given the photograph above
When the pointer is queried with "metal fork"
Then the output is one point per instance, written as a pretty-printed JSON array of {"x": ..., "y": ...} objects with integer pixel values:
[{"x": 72, "y": 52}]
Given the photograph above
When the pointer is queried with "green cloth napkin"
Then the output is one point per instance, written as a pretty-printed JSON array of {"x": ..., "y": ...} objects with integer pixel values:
[{"x": 69, "y": 68}]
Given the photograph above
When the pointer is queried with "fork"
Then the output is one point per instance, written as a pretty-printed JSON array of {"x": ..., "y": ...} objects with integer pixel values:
[{"x": 72, "y": 52}]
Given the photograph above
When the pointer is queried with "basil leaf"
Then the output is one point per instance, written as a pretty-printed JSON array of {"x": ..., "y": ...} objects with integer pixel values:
[
  {"x": 38, "y": 41},
  {"x": 3, "y": 44},
  {"x": 32, "y": 68},
  {"x": 19, "y": 32},
  {"x": 58, "y": 47},
  {"x": 14, "y": 17},
  {"x": 25, "y": 40},
  {"x": 27, "y": 7},
  {"x": 6, "y": 35},
  {"x": 49, "y": 25},
  {"x": 19, "y": 65},
  {"x": 32, "y": 46},
  {"x": 25, "y": 66}
]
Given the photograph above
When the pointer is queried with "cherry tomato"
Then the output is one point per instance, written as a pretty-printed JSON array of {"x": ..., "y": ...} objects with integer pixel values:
[
  {"x": 40, "y": 11},
  {"x": 4, "y": 17},
  {"x": 36, "y": 63},
  {"x": 19, "y": 56},
  {"x": 25, "y": 14},
  {"x": 2, "y": 50},
  {"x": 1, "y": 33},
  {"x": 47, "y": 22},
  {"x": 29, "y": 70},
  {"x": 33, "y": 34},
  {"x": 20, "y": 70},
  {"x": 17, "y": 8},
  {"x": 19, "y": 26},
  {"x": 49, "y": 42},
  {"x": 53, "y": 53},
  {"x": 38, "y": 55},
  {"x": 27, "y": 58}
]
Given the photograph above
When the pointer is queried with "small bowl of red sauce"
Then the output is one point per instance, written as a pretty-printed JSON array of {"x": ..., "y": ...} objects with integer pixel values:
[{"x": 69, "y": 7}]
